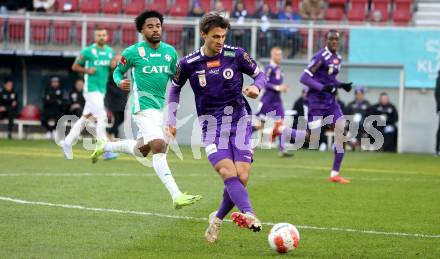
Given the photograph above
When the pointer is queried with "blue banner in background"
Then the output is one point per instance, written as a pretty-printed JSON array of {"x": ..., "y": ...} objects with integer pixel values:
[{"x": 418, "y": 50}]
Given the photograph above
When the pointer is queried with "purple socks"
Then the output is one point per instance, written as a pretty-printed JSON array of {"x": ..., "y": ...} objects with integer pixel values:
[
  {"x": 338, "y": 159},
  {"x": 226, "y": 205},
  {"x": 238, "y": 195}
]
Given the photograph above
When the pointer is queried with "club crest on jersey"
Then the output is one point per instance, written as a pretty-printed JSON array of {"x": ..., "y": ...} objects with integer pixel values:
[
  {"x": 202, "y": 80},
  {"x": 228, "y": 73},
  {"x": 167, "y": 58},
  {"x": 330, "y": 69},
  {"x": 335, "y": 61},
  {"x": 94, "y": 52},
  {"x": 141, "y": 51},
  {"x": 215, "y": 63}
]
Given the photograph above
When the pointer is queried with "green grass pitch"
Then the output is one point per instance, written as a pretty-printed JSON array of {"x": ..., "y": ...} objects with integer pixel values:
[{"x": 52, "y": 208}]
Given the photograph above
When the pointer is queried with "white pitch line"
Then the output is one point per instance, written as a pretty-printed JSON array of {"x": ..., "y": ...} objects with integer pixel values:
[
  {"x": 374, "y": 179},
  {"x": 160, "y": 215},
  {"x": 190, "y": 161}
]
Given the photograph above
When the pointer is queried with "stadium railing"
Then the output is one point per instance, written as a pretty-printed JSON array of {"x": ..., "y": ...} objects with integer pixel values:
[{"x": 65, "y": 34}]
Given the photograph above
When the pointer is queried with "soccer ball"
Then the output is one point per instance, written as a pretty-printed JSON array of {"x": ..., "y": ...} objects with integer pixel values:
[{"x": 283, "y": 237}]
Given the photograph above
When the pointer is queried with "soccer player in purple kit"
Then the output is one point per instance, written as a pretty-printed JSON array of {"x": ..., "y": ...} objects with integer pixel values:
[
  {"x": 215, "y": 72},
  {"x": 320, "y": 77},
  {"x": 271, "y": 105}
]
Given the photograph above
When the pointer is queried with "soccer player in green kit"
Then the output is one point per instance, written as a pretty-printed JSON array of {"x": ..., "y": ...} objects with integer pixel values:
[
  {"x": 153, "y": 64},
  {"x": 95, "y": 62}
]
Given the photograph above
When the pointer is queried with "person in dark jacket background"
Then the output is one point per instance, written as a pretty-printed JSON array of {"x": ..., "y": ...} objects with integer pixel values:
[
  {"x": 388, "y": 114},
  {"x": 54, "y": 106},
  {"x": 115, "y": 100},
  {"x": 76, "y": 99},
  {"x": 8, "y": 104}
]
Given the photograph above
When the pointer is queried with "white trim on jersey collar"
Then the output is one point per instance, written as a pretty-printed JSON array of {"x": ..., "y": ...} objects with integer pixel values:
[{"x": 203, "y": 53}]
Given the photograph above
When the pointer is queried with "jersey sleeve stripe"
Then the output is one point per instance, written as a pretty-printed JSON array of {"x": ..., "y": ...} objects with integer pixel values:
[{"x": 308, "y": 72}]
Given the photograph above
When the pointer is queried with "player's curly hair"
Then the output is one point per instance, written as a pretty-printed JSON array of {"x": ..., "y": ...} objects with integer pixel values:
[
  {"x": 212, "y": 20},
  {"x": 140, "y": 19}
]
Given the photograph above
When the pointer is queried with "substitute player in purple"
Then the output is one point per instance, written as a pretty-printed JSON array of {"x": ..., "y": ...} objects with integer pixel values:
[
  {"x": 215, "y": 72},
  {"x": 320, "y": 77},
  {"x": 271, "y": 105}
]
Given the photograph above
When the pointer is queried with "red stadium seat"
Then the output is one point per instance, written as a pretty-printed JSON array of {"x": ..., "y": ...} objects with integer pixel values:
[
  {"x": 340, "y": 3},
  {"x": 61, "y": 31},
  {"x": 134, "y": 6},
  {"x": 111, "y": 6},
  {"x": 295, "y": 5},
  {"x": 357, "y": 10},
  {"x": 206, "y": 5},
  {"x": 16, "y": 29},
  {"x": 174, "y": 35},
  {"x": 402, "y": 11},
  {"x": 160, "y": 6},
  {"x": 383, "y": 6},
  {"x": 228, "y": 5},
  {"x": 40, "y": 31},
  {"x": 179, "y": 8},
  {"x": 334, "y": 14},
  {"x": 67, "y": 5},
  {"x": 272, "y": 5},
  {"x": 30, "y": 112},
  {"x": 2, "y": 29},
  {"x": 129, "y": 34},
  {"x": 250, "y": 6},
  {"x": 89, "y": 6}
]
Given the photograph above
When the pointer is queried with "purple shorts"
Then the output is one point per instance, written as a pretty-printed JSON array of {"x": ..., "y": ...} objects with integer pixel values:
[
  {"x": 334, "y": 111},
  {"x": 271, "y": 110},
  {"x": 233, "y": 144}
]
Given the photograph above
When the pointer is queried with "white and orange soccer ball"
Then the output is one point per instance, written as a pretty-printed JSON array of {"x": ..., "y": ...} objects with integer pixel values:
[{"x": 283, "y": 237}]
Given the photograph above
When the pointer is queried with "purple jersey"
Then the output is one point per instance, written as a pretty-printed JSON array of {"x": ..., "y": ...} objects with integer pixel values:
[
  {"x": 217, "y": 81},
  {"x": 323, "y": 68},
  {"x": 274, "y": 77}
]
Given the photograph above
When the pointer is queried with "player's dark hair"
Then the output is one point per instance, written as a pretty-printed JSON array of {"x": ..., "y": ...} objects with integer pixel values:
[
  {"x": 7, "y": 79},
  {"x": 383, "y": 94},
  {"x": 140, "y": 19},
  {"x": 212, "y": 20},
  {"x": 99, "y": 28},
  {"x": 331, "y": 31}
]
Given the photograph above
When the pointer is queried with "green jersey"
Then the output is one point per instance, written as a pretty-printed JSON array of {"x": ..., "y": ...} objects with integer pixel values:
[
  {"x": 100, "y": 59},
  {"x": 151, "y": 69}
]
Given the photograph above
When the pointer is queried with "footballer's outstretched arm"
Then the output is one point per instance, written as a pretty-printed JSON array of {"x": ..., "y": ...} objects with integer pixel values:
[{"x": 119, "y": 72}]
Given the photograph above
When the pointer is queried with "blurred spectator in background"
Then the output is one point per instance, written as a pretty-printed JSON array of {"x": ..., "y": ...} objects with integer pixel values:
[
  {"x": 312, "y": 9},
  {"x": 290, "y": 35},
  {"x": 54, "y": 106},
  {"x": 115, "y": 100},
  {"x": 239, "y": 12},
  {"x": 388, "y": 115},
  {"x": 359, "y": 109},
  {"x": 219, "y": 7},
  {"x": 76, "y": 98},
  {"x": 196, "y": 9},
  {"x": 47, "y": 6},
  {"x": 265, "y": 36},
  {"x": 437, "y": 99},
  {"x": 239, "y": 37},
  {"x": 20, "y": 6},
  {"x": 8, "y": 104}
]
